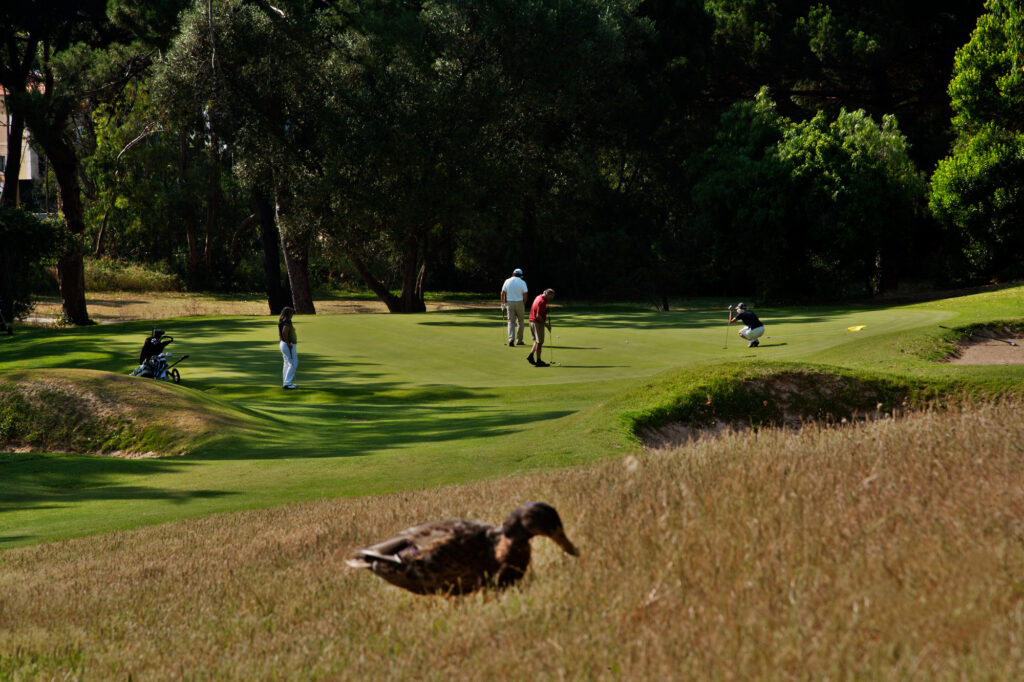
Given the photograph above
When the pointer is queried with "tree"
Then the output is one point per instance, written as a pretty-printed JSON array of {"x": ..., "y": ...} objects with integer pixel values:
[
  {"x": 457, "y": 121},
  {"x": 978, "y": 190},
  {"x": 246, "y": 81},
  {"x": 880, "y": 56},
  {"x": 813, "y": 210},
  {"x": 394, "y": 131},
  {"x": 76, "y": 54}
]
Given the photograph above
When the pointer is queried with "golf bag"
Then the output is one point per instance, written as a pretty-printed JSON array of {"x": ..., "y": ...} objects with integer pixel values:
[
  {"x": 157, "y": 367},
  {"x": 153, "y": 360},
  {"x": 154, "y": 367}
]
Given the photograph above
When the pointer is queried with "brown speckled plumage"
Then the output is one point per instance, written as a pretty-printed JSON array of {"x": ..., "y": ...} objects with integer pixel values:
[{"x": 460, "y": 556}]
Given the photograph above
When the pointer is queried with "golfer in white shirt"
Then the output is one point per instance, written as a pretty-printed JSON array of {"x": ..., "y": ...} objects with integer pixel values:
[{"x": 513, "y": 299}]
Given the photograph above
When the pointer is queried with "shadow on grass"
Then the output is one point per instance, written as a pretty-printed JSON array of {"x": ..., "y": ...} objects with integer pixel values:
[
  {"x": 41, "y": 481},
  {"x": 227, "y": 344},
  {"x": 113, "y": 301},
  {"x": 629, "y": 318},
  {"x": 206, "y": 341},
  {"x": 366, "y": 428}
]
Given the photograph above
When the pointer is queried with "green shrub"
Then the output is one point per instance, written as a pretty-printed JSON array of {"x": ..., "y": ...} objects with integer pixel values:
[{"x": 25, "y": 243}]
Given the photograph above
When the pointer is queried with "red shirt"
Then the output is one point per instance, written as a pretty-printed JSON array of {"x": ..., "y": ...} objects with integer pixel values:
[{"x": 539, "y": 310}]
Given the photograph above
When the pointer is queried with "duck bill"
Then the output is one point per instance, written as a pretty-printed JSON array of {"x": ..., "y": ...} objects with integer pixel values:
[{"x": 563, "y": 542}]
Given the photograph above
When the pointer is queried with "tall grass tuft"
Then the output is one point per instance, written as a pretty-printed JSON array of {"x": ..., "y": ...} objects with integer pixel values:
[
  {"x": 110, "y": 275},
  {"x": 890, "y": 550}
]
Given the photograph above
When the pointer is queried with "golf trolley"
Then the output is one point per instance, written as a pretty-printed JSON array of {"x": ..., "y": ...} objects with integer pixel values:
[
  {"x": 153, "y": 360},
  {"x": 157, "y": 367}
]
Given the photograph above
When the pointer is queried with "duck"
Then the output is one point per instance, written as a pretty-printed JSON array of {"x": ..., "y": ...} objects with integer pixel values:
[{"x": 459, "y": 556}]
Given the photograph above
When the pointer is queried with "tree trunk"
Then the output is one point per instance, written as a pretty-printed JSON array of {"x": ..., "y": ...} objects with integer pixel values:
[
  {"x": 296, "y": 259},
  {"x": 71, "y": 277},
  {"x": 236, "y": 250},
  {"x": 98, "y": 250},
  {"x": 393, "y": 303},
  {"x": 412, "y": 281},
  {"x": 212, "y": 205},
  {"x": 70, "y": 268},
  {"x": 190, "y": 223},
  {"x": 12, "y": 171},
  {"x": 277, "y": 296},
  {"x": 411, "y": 298}
]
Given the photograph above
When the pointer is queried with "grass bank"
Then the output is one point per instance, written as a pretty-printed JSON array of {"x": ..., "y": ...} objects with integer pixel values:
[
  {"x": 789, "y": 394},
  {"x": 90, "y": 412}
]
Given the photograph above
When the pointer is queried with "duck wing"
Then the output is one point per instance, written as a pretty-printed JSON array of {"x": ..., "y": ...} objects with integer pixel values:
[{"x": 452, "y": 556}]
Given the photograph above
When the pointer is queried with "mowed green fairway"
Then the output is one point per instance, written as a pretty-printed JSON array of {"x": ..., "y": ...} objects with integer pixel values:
[{"x": 398, "y": 402}]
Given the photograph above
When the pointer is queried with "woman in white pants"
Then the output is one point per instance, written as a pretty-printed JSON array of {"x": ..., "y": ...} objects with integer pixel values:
[{"x": 289, "y": 343}]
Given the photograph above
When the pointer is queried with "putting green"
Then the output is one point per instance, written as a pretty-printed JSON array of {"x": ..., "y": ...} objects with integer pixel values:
[{"x": 395, "y": 402}]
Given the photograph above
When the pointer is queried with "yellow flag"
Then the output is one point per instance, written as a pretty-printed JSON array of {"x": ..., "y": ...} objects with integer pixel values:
[{"x": 856, "y": 329}]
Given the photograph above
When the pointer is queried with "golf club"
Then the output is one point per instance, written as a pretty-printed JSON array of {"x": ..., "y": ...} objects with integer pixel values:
[
  {"x": 552, "y": 353},
  {"x": 503, "y": 313},
  {"x": 726, "y": 346},
  {"x": 183, "y": 357}
]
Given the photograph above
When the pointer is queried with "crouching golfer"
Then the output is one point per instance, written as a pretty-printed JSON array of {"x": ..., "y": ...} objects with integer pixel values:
[
  {"x": 753, "y": 330},
  {"x": 538, "y": 321},
  {"x": 286, "y": 334}
]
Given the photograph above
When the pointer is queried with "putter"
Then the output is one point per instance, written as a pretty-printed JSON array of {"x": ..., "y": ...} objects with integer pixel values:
[
  {"x": 503, "y": 314},
  {"x": 552, "y": 353},
  {"x": 726, "y": 346}
]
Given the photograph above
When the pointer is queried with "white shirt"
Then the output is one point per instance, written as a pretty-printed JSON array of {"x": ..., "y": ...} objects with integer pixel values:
[{"x": 514, "y": 288}]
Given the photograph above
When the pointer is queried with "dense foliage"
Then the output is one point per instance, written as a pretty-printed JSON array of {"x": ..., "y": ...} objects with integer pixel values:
[
  {"x": 836, "y": 201},
  {"x": 608, "y": 147},
  {"x": 27, "y": 243},
  {"x": 978, "y": 191}
]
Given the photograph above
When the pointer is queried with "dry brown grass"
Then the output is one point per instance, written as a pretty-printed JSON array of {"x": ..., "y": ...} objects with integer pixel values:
[
  {"x": 892, "y": 550},
  {"x": 87, "y": 411},
  {"x": 117, "y": 306}
]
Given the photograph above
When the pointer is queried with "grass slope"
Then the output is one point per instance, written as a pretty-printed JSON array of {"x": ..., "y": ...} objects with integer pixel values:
[
  {"x": 86, "y": 411},
  {"x": 886, "y": 551},
  {"x": 392, "y": 402}
]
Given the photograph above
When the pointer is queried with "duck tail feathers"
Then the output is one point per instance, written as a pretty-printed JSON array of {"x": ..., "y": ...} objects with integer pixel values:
[{"x": 366, "y": 557}]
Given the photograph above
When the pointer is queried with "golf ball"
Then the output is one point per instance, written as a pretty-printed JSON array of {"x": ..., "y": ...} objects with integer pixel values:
[{"x": 627, "y": 341}]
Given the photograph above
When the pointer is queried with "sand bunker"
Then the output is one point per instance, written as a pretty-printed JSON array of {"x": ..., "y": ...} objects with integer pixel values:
[{"x": 990, "y": 347}]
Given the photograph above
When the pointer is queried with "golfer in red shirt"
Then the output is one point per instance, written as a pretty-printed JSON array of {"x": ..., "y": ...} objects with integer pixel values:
[{"x": 538, "y": 321}]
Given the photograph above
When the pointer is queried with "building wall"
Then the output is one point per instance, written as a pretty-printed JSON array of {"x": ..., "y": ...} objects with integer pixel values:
[{"x": 29, "y": 159}]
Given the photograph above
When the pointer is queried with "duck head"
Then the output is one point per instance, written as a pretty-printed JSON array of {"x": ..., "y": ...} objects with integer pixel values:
[{"x": 537, "y": 518}]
